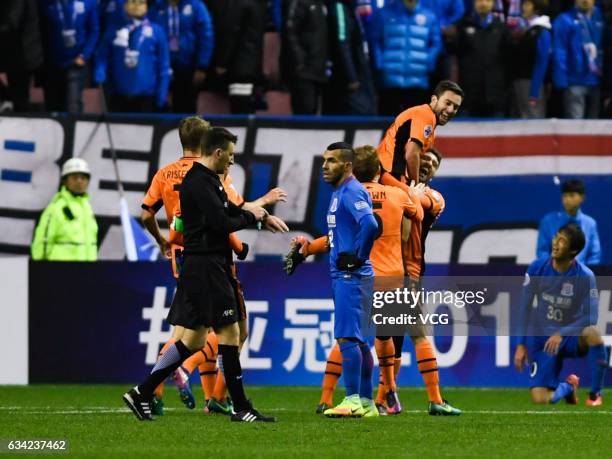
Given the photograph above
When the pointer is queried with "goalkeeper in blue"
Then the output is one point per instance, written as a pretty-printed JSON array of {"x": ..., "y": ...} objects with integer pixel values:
[
  {"x": 562, "y": 324},
  {"x": 352, "y": 229}
]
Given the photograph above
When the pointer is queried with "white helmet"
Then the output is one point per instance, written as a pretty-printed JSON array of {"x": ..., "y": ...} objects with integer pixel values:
[{"x": 74, "y": 166}]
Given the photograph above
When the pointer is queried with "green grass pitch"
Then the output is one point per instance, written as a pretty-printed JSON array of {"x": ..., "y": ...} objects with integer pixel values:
[{"x": 495, "y": 423}]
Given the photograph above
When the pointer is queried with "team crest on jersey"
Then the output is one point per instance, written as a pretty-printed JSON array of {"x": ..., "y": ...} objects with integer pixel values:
[
  {"x": 567, "y": 289},
  {"x": 361, "y": 205},
  {"x": 420, "y": 19},
  {"x": 147, "y": 31},
  {"x": 79, "y": 7},
  {"x": 187, "y": 10},
  {"x": 334, "y": 205},
  {"x": 428, "y": 131}
]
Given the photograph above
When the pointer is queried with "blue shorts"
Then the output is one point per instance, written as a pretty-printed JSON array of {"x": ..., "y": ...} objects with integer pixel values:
[
  {"x": 544, "y": 369},
  {"x": 352, "y": 303}
]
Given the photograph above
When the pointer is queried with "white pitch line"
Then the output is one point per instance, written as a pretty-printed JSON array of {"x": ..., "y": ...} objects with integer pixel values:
[{"x": 112, "y": 410}]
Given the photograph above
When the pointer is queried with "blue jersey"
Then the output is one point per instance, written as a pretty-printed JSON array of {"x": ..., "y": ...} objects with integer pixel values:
[
  {"x": 565, "y": 302},
  {"x": 351, "y": 226}
]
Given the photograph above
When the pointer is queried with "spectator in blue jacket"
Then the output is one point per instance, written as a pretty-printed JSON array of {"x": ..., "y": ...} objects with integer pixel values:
[
  {"x": 572, "y": 196},
  {"x": 531, "y": 55},
  {"x": 134, "y": 58},
  {"x": 111, "y": 13},
  {"x": 190, "y": 34},
  {"x": 577, "y": 63},
  {"x": 70, "y": 34},
  {"x": 350, "y": 90},
  {"x": 405, "y": 45}
]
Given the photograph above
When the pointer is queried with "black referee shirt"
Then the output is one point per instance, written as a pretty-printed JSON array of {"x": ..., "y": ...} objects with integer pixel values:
[{"x": 208, "y": 215}]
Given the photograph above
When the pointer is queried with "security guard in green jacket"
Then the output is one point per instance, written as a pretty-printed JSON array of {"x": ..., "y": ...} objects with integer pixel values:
[{"x": 67, "y": 230}]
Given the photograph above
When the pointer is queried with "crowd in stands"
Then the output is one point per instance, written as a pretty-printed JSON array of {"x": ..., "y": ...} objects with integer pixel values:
[{"x": 513, "y": 58}]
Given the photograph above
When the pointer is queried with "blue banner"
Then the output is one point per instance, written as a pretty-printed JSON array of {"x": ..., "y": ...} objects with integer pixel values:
[{"x": 104, "y": 323}]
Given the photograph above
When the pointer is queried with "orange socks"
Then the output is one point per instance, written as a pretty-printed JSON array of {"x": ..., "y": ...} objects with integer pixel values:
[
  {"x": 385, "y": 351},
  {"x": 208, "y": 366},
  {"x": 333, "y": 371},
  {"x": 220, "y": 392},
  {"x": 428, "y": 366},
  {"x": 159, "y": 390}
]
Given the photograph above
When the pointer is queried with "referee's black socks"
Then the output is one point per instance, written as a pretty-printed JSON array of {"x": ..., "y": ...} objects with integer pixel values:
[
  {"x": 165, "y": 366},
  {"x": 229, "y": 362}
]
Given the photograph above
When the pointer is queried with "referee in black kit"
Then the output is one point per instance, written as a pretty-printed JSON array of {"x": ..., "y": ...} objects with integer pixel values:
[{"x": 206, "y": 293}]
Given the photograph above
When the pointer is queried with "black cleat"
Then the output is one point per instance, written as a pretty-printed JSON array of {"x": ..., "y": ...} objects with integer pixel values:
[
  {"x": 251, "y": 415},
  {"x": 139, "y": 404},
  {"x": 321, "y": 407}
]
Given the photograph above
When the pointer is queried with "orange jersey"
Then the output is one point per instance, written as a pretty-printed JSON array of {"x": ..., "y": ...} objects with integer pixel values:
[
  {"x": 436, "y": 201},
  {"x": 164, "y": 191},
  {"x": 232, "y": 193},
  {"x": 414, "y": 248},
  {"x": 390, "y": 205},
  {"x": 417, "y": 124}
]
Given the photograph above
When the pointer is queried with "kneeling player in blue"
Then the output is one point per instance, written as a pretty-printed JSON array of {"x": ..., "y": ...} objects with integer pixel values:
[
  {"x": 351, "y": 232},
  {"x": 563, "y": 324}
]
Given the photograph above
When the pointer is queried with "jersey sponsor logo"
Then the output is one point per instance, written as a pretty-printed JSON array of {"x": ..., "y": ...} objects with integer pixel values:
[
  {"x": 331, "y": 220},
  {"x": 359, "y": 205},
  {"x": 428, "y": 131},
  {"x": 334, "y": 205},
  {"x": 567, "y": 289},
  {"x": 228, "y": 313}
]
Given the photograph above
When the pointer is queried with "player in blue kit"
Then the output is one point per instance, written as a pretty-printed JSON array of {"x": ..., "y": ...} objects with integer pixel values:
[
  {"x": 562, "y": 325},
  {"x": 351, "y": 232}
]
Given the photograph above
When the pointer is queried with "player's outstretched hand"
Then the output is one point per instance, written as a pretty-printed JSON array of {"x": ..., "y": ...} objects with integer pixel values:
[
  {"x": 551, "y": 346},
  {"x": 275, "y": 224},
  {"x": 259, "y": 212},
  {"x": 165, "y": 249},
  {"x": 520, "y": 358},
  {"x": 275, "y": 195},
  {"x": 418, "y": 189}
]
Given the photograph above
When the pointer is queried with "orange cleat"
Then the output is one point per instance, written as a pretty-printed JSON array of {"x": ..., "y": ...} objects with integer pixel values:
[
  {"x": 572, "y": 399},
  {"x": 597, "y": 401}
]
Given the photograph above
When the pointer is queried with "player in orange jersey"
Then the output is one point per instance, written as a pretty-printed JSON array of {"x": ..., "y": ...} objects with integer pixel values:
[
  {"x": 433, "y": 205},
  {"x": 413, "y": 132}
]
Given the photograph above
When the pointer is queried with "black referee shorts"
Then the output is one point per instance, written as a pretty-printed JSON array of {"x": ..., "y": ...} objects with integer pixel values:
[{"x": 207, "y": 294}]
